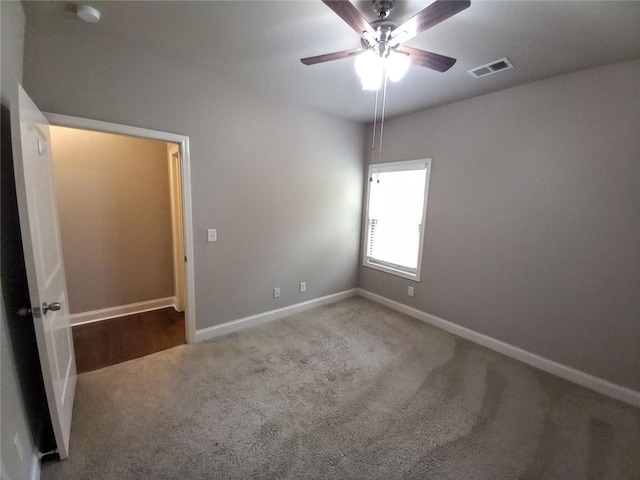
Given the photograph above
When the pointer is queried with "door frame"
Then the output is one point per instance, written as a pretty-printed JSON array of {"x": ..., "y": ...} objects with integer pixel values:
[
  {"x": 56, "y": 119},
  {"x": 177, "y": 225}
]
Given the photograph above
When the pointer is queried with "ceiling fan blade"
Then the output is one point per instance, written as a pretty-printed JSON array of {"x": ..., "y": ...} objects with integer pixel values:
[
  {"x": 327, "y": 57},
  {"x": 435, "y": 13},
  {"x": 428, "y": 59},
  {"x": 350, "y": 14}
]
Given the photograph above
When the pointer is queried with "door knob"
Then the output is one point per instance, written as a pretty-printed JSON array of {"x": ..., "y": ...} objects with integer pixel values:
[{"x": 55, "y": 306}]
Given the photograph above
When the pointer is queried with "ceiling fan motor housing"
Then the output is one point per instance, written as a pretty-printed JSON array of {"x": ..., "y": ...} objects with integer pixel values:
[{"x": 383, "y": 29}]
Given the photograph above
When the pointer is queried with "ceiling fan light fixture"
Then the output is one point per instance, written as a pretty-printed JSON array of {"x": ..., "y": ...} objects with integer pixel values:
[
  {"x": 370, "y": 69},
  {"x": 384, "y": 36},
  {"x": 396, "y": 65}
]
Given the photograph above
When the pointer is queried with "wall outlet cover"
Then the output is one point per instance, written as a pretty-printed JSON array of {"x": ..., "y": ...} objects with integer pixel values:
[{"x": 276, "y": 292}]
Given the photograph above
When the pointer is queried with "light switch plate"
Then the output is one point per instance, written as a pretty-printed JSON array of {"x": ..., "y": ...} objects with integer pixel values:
[{"x": 212, "y": 235}]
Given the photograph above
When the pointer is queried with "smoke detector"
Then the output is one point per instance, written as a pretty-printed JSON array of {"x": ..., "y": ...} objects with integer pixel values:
[
  {"x": 491, "y": 68},
  {"x": 88, "y": 14}
]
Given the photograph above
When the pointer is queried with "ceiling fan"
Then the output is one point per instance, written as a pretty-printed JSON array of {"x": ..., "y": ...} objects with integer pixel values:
[{"x": 384, "y": 39}]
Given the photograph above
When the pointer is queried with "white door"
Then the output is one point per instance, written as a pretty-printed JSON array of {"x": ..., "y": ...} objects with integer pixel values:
[{"x": 43, "y": 260}]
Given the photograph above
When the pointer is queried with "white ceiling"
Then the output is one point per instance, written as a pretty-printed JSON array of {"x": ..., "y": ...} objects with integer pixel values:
[{"x": 263, "y": 42}]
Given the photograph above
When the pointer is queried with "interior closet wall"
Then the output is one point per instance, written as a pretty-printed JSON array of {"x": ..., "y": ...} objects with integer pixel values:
[{"x": 115, "y": 218}]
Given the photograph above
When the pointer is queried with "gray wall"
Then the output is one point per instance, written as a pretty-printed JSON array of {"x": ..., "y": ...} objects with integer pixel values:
[
  {"x": 14, "y": 414},
  {"x": 14, "y": 418},
  {"x": 533, "y": 224},
  {"x": 115, "y": 218},
  {"x": 282, "y": 184}
]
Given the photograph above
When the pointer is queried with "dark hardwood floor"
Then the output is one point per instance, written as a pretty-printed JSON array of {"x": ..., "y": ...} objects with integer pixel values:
[{"x": 116, "y": 340}]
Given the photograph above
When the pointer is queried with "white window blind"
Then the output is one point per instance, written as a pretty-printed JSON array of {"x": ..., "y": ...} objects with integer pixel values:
[{"x": 395, "y": 216}]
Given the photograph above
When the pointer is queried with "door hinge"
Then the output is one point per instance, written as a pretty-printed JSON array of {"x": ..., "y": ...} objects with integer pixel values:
[{"x": 185, "y": 259}]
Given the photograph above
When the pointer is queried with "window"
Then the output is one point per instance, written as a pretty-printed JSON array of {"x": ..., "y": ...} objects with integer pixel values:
[{"x": 396, "y": 212}]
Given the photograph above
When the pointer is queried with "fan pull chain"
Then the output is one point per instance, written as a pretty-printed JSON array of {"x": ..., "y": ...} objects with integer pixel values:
[
  {"x": 384, "y": 103},
  {"x": 373, "y": 141}
]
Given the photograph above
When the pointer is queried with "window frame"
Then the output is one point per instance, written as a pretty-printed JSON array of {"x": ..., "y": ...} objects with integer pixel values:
[{"x": 396, "y": 167}]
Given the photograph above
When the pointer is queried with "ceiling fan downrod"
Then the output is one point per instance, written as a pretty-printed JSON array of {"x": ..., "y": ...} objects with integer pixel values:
[
  {"x": 383, "y": 7},
  {"x": 383, "y": 29}
]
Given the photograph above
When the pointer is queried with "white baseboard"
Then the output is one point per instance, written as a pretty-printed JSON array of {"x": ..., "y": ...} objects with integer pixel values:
[
  {"x": 36, "y": 468},
  {"x": 121, "y": 310},
  {"x": 600, "y": 385},
  {"x": 271, "y": 315}
]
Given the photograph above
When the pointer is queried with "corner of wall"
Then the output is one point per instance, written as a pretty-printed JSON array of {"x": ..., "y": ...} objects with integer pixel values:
[
  {"x": 15, "y": 425},
  {"x": 12, "y": 43},
  {"x": 15, "y": 417}
]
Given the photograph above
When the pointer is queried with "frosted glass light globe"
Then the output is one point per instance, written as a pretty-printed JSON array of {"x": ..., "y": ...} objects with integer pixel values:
[
  {"x": 370, "y": 69},
  {"x": 396, "y": 65}
]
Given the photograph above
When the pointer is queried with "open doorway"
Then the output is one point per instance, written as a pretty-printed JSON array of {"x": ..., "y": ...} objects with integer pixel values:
[{"x": 124, "y": 229}]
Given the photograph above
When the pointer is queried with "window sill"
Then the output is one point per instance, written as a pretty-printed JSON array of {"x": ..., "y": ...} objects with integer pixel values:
[{"x": 393, "y": 271}]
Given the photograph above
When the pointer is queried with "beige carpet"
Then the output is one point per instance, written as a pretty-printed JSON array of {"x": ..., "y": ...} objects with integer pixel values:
[{"x": 350, "y": 390}]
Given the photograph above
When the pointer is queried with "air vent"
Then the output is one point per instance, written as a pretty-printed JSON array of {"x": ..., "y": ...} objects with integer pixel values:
[{"x": 491, "y": 68}]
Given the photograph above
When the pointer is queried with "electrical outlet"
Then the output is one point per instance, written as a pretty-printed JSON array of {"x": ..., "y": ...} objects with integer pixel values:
[
  {"x": 18, "y": 444},
  {"x": 276, "y": 292},
  {"x": 410, "y": 291},
  {"x": 303, "y": 287},
  {"x": 212, "y": 235}
]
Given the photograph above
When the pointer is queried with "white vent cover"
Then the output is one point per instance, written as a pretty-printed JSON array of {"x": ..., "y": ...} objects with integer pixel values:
[{"x": 491, "y": 68}]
